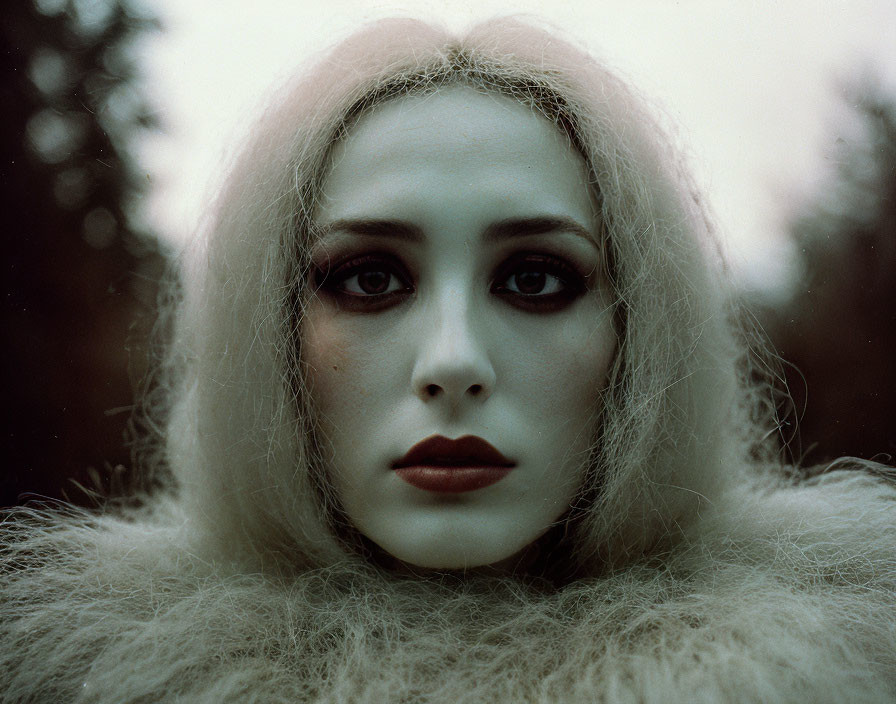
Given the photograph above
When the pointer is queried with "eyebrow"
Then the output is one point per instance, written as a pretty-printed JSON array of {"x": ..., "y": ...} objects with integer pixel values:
[
  {"x": 394, "y": 229},
  {"x": 501, "y": 230},
  {"x": 521, "y": 227}
]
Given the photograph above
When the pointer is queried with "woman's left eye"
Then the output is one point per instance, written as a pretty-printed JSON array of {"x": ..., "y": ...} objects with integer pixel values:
[
  {"x": 538, "y": 282},
  {"x": 534, "y": 283}
]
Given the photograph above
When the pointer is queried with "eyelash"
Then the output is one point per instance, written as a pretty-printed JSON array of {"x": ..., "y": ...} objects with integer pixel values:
[{"x": 332, "y": 280}]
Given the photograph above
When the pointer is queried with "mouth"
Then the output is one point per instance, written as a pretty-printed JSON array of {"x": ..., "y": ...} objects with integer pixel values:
[{"x": 453, "y": 466}]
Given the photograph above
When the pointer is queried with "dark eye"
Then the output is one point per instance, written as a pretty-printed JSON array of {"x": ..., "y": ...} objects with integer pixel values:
[
  {"x": 368, "y": 282},
  {"x": 372, "y": 282},
  {"x": 534, "y": 283},
  {"x": 538, "y": 282}
]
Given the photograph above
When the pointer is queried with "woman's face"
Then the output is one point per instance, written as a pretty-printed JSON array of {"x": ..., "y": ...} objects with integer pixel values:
[{"x": 460, "y": 301}]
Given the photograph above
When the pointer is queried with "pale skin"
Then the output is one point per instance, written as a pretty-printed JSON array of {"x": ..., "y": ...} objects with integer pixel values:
[{"x": 460, "y": 292}]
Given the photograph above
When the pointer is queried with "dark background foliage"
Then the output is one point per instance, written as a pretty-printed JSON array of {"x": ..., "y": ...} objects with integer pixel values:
[
  {"x": 78, "y": 278},
  {"x": 81, "y": 278},
  {"x": 837, "y": 334}
]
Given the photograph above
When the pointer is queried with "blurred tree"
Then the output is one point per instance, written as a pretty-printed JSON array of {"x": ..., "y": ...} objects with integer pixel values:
[
  {"x": 839, "y": 330},
  {"x": 76, "y": 270}
]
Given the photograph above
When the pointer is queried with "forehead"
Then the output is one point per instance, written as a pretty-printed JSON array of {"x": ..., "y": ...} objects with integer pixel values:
[
  {"x": 468, "y": 147},
  {"x": 455, "y": 119}
]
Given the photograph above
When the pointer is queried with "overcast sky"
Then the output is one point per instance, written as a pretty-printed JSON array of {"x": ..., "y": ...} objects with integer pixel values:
[{"x": 755, "y": 87}]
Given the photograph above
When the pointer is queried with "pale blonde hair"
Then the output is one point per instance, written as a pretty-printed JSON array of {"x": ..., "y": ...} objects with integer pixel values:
[{"x": 241, "y": 435}]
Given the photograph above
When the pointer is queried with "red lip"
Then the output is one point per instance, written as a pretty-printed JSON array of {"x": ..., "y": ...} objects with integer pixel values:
[{"x": 453, "y": 466}]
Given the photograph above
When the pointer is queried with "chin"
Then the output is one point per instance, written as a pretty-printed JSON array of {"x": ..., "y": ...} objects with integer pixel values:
[{"x": 437, "y": 555}]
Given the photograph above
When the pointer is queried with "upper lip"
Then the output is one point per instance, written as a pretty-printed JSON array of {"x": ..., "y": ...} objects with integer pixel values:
[{"x": 467, "y": 451}]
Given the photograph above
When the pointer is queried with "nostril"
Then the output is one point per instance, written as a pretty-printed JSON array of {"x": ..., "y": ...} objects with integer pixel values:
[
  {"x": 432, "y": 390},
  {"x": 475, "y": 389}
]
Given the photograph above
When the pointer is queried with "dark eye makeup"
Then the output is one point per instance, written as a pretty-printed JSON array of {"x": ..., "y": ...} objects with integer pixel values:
[
  {"x": 366, "y": 282},
  {"x": 531, "y": 281},
  {"x": 538, "y": 282}
]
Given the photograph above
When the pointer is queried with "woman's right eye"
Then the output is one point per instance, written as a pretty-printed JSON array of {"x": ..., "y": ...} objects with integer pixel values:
[
  {"x": 366, "y": 282},
  {"x": 372, "y": 282}
]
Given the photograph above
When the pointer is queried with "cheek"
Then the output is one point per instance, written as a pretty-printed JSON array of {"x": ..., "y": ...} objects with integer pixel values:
[
  {"x": 347, "y": 366},
  {"x": 325, "y": 346},
  {"x": 573, "y": 367},
  {"x": 590, "y": 364}
]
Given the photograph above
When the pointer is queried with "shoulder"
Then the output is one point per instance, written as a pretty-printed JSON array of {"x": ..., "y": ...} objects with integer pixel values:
[
  {"x": 843, "y": 510},
  {"x": 791, "y": 584},
  {"x": 78, "y": 591}
]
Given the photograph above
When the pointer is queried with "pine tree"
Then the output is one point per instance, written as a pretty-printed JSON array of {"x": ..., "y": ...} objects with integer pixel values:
[
  {"x": 77, "y": 270},
  {"x": 838, "y": 333}
]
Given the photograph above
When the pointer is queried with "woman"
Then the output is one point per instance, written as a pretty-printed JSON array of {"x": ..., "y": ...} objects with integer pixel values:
[{"x": 457, "y": 414}]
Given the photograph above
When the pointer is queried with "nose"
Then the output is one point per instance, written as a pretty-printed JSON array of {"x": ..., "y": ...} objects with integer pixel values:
[{"x": 453, "y": 363}]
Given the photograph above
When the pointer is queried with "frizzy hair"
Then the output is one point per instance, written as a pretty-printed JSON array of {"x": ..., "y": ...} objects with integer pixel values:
[{"x": 241, "y": 437}]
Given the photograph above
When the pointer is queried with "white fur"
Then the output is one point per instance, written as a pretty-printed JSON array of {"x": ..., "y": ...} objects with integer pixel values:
[
  {"x": 694, "y": 570},
  {"x": 776, "y": 595}
]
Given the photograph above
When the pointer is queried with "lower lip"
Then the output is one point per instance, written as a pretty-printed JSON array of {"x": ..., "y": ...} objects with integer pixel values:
[{"x": 452, "y": 480}]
